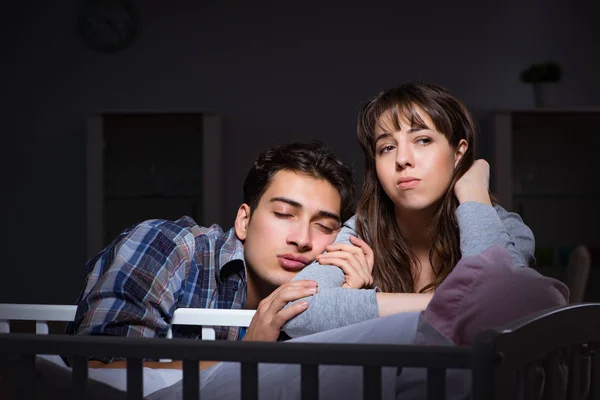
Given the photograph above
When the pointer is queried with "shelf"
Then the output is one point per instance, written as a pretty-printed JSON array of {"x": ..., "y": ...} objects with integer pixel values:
[{"x": 568, "y": 196}]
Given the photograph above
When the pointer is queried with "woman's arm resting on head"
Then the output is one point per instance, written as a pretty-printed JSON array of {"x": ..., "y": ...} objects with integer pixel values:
[{"x": 482, "y": 226}]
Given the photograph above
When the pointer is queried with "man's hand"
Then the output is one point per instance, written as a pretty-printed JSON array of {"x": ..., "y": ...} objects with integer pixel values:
[
  {"x": 270, "y": 314},
  {"x": 474, "y": 184},
  {"x": 356, "y": 260}
]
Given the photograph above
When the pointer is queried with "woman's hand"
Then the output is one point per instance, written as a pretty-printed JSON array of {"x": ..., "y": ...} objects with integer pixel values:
[
  {"x": 356, "y": 260},
  {"x": 474, "y": 184}
]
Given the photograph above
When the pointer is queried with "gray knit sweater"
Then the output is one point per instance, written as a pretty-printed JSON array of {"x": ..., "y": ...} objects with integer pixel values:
[{"x": 481, "y": 227}]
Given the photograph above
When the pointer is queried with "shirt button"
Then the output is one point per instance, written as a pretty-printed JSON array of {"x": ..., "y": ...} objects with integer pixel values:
[{"x": 235, "y": 287}]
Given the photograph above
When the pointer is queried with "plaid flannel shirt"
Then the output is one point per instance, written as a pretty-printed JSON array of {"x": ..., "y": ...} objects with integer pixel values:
[{"x": 135, "y": 284}]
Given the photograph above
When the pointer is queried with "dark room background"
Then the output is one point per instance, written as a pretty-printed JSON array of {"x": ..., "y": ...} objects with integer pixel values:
[{"x": 276, "y": 72}]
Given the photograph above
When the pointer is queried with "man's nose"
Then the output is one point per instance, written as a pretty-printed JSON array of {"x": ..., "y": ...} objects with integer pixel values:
[{"x": 300, "y": 237}]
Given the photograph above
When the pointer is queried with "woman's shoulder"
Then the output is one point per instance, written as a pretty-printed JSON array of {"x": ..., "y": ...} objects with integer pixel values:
[{"x": 348, "y": 229}]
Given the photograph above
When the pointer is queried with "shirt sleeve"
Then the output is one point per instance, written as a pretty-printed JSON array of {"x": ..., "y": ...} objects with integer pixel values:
[{"x": 133, "y": 287}]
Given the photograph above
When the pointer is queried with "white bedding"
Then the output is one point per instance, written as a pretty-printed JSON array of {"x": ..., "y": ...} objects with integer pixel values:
[{"x": 103, "y": 382}]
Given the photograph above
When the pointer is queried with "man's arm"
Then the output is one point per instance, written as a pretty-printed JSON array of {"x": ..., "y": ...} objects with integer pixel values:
[
  {"x": 133, "y": 287},
  {"x": 265, "y": 325}
]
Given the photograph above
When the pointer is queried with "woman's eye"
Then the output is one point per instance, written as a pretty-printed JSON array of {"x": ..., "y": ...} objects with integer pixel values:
[
  {"x": 386, "y": 149},
  {"x": 423, "y": 141}
]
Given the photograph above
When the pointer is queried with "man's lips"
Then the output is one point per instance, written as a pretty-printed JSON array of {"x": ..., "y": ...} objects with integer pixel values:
[{"x": 292, "y": 262}]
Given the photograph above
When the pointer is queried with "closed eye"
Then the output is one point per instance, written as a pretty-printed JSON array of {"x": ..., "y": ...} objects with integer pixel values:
[
  {"x": 326, "y": 229},
  {"x": 282, "y": 215}
]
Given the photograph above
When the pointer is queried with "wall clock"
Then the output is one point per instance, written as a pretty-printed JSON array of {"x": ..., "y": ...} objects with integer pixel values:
[{"x": 108, "y": 26}]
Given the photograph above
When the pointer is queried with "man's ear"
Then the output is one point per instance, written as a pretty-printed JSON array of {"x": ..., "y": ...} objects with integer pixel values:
[
  {"x": 461, "y": 149},
  {"x": 241, "y": 221}
]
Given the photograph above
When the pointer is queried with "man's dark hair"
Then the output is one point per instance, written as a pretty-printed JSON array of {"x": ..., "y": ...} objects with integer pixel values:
[{"x": 313, "y": 159}]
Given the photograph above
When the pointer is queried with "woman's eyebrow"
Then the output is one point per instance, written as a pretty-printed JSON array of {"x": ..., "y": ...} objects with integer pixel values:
[{"x": 383, "y": 135}]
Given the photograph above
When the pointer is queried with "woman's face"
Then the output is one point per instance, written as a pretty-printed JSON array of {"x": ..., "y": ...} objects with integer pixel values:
[{"x": 414, "y": 165}]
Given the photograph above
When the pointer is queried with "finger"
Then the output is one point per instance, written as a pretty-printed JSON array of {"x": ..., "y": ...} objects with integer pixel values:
[
  {"x": 368, "y": 251},
  {"x": 288, "y": 313},
  {"x": 364, "y": 246},
  {"x": 286, "y": 296},
  {"x": 355, "y": 275},
  {"x": 304, "y": 283},
  {"x": 300, "y": 283},
  {"x": 344, "y": 247},
  {"x": 359, "y": 260},
  {"x": 359, "y": 248}
]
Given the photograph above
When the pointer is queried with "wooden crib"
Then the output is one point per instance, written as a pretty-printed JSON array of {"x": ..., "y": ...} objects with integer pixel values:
[{"x": 505, "y": 363}]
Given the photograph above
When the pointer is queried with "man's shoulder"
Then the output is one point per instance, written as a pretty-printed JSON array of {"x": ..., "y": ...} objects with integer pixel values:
[{"x": 179, "y": 229}]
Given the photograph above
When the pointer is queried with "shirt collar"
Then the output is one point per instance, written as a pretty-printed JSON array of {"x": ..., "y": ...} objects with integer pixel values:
[{"x": 230, "y": 257}]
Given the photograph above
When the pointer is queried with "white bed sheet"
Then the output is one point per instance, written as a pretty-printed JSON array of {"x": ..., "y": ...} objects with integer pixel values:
[{"x": 52, "y": 368}]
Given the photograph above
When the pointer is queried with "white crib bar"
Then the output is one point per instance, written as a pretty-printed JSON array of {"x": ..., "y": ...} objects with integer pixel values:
[{"x": 42, "y": 313}]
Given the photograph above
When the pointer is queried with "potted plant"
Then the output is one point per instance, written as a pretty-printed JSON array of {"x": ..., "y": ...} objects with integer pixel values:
[{"x": 539, "y": 75}]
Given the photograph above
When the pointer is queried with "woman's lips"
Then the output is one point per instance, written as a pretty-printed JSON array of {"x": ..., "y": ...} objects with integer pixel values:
[{"x": 408, "y": 183}]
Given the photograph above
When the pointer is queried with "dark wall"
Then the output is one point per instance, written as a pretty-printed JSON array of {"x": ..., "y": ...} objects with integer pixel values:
[{"x": 277, "y": 72}]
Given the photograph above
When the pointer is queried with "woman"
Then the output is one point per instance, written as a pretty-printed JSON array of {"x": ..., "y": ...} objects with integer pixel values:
[
  {"x": 426, "y": 211},
  {"x": 425, "y": 204}
]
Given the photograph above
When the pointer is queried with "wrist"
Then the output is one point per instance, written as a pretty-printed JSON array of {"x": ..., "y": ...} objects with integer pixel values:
[{"x": 479, "y": 195}]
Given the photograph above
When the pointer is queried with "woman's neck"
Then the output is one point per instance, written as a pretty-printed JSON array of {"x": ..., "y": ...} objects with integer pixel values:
[{"x": 415, "y": 227}]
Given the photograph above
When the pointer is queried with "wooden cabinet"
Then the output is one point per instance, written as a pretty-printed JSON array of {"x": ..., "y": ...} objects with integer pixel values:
[
  {"x": 151, "y": 165},
  {"x": 545, "y": 167}
]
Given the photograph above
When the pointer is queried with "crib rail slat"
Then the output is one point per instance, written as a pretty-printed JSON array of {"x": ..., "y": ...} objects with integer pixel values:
[
  {"x": 135, "y": 384},
  {"x": 80, "y": 376},
  {"x": 595, "y": 373},
  {"x": 249, "y": 381},
  {"x": 191, "y": 380},
  {"x": 27, "y": 376},
  {"x": 528, "y": 382},
  {"x": 574, "y": 392},
  {"x": 372, "y": 383},
  {"x": 552, "y": 379},
  {"x": 436, "y": 384},
  {"x": 309, "y": 379}
]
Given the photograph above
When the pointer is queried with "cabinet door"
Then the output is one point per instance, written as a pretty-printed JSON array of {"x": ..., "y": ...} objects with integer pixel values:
[{"x": 151, "y": 166}]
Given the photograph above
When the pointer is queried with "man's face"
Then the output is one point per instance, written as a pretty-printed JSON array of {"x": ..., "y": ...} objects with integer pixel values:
[{"x": 296, "y": 218}]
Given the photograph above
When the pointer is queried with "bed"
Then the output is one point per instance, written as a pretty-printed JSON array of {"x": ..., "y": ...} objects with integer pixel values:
[{"x": 548, "y": 355}]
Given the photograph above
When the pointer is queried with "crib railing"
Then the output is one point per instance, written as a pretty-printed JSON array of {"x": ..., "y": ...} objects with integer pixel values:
[
  {"x": 44, "y": 313},
  {"x": 551, "y": 355},
  {"x": 436, "y": 359}
]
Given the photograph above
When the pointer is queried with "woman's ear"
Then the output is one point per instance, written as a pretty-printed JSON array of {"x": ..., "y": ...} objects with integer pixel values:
[
  {"x": 241, "y": 221},
  {"x": 461, "y": 149}
]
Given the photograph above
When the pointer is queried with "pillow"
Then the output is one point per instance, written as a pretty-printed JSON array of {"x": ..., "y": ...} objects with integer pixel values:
[{"x": 487, "y": 291}]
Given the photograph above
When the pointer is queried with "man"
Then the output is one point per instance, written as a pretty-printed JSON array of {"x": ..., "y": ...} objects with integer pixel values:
[{"x": 295, "y": 198}]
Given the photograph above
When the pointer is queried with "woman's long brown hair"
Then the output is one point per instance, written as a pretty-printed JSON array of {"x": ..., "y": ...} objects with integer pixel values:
[{"x": 396, "y": 265}]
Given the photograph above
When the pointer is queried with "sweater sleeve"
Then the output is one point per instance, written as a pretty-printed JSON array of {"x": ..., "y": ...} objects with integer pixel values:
[
  {"x": 332, "y": 306},
  {"x": 482, "y": 227}
]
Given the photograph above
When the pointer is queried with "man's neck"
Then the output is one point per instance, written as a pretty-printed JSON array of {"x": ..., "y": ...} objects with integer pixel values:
[{"x": 254, "y": 292}]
